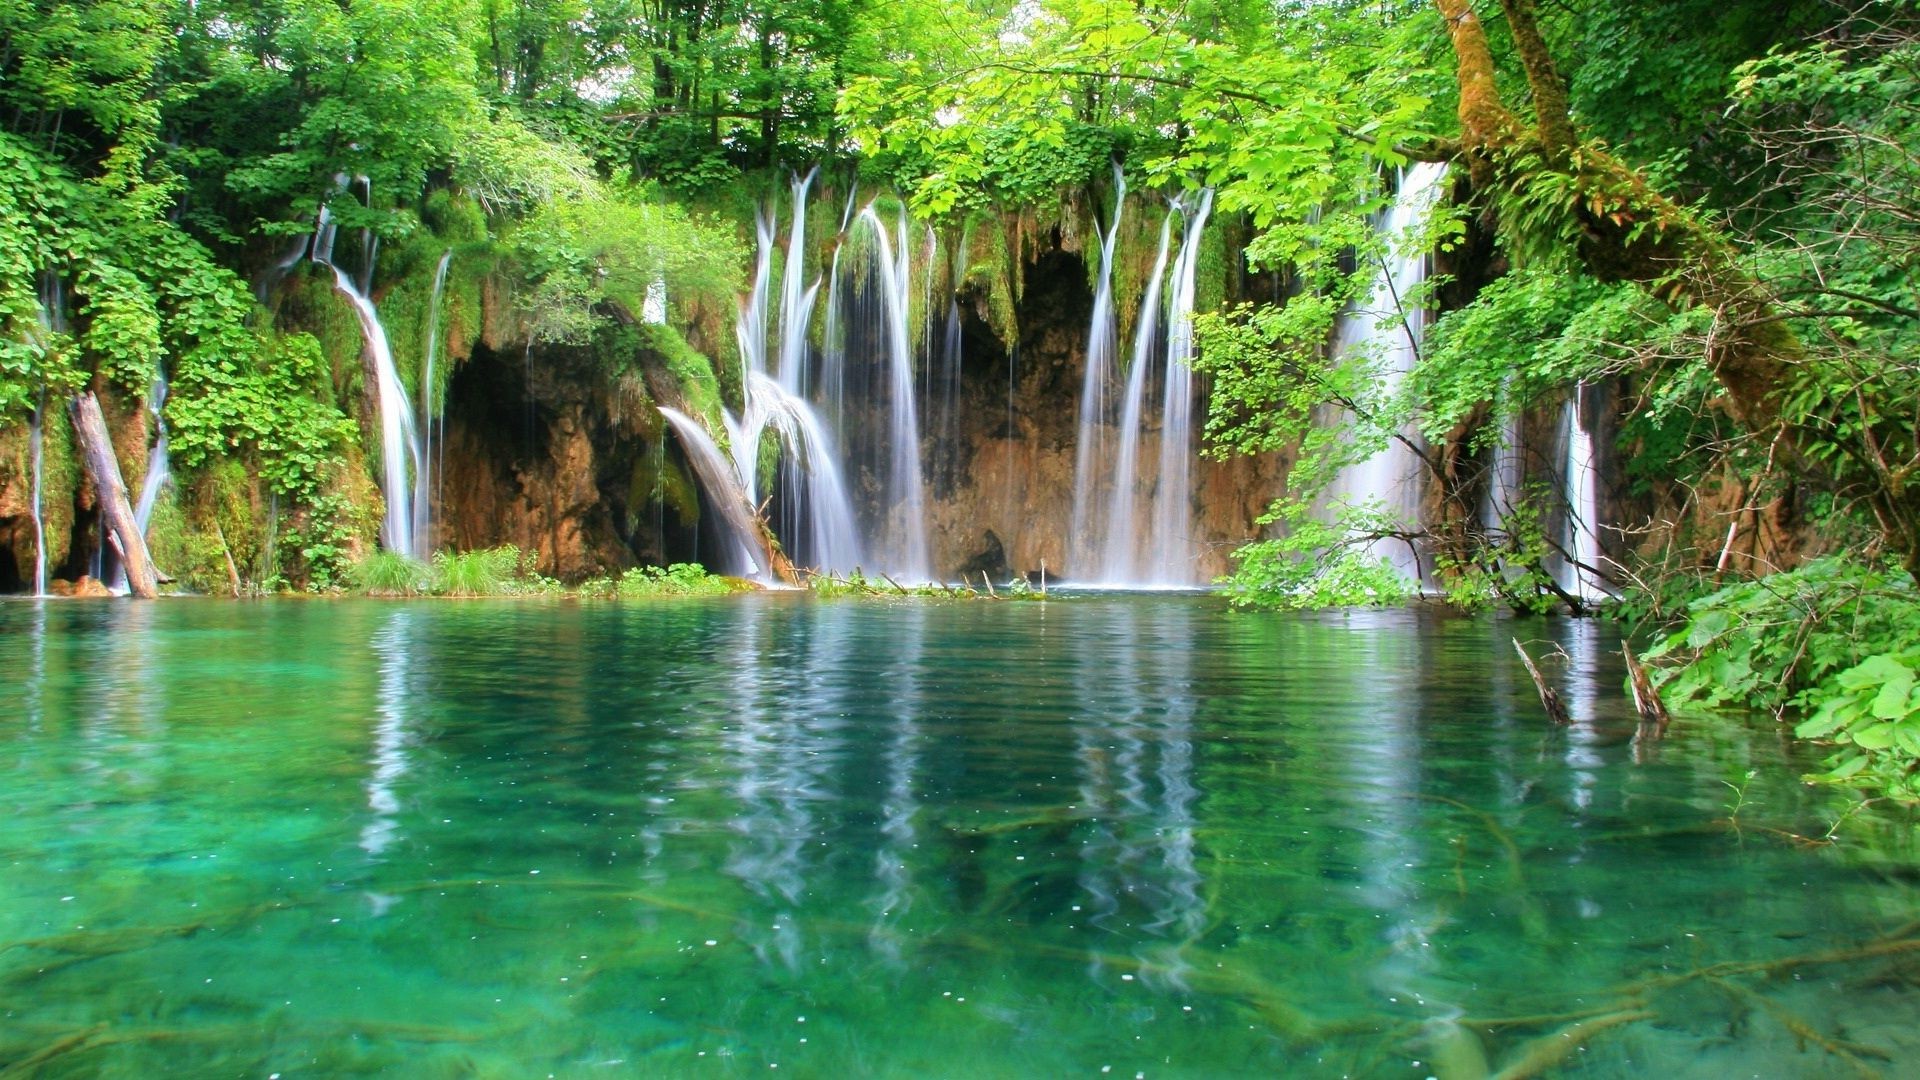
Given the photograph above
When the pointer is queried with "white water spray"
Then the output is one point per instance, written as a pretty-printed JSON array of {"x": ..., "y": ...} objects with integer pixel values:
[
  {"x": 1120, "y": 561},
  {"x": 423, "y": 476},
  {"x": 1171, "y": 558},
  {"x": 1090, "y": 452}
]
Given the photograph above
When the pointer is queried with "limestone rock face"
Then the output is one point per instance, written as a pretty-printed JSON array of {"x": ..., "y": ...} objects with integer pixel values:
[{"x": 541, "y": 451}]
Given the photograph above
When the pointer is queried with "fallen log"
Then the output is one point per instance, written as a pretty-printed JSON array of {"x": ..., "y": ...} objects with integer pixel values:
[{"x": 116, "y": 513}]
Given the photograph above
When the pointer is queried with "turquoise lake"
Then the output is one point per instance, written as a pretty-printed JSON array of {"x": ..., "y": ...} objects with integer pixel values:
[{"x": 777, "y": 835}]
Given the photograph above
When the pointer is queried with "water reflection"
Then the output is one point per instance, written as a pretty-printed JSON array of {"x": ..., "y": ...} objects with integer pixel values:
[
  {"x": 1133, "y": 744},
  {"x": 1144, "y": 834},
  {"x": 899, "y": 800},
  {"x": 394, "y": 646}
]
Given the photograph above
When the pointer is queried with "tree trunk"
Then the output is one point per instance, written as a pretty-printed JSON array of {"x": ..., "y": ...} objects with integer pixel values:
[
  {"x": 116, "y": 513},
  {"x": 726, "y": 497}
]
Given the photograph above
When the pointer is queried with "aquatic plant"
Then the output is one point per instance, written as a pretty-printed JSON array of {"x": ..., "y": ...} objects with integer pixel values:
[{"x": 390, "y": 573}]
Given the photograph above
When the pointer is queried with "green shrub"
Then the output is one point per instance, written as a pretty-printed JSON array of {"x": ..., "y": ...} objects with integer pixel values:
[
  {"x": 1833, "y": 642},
  {"x": 389, "y": 573},
  {"x": 499, "y": 571},
  {"x": 680, "y": 579}
]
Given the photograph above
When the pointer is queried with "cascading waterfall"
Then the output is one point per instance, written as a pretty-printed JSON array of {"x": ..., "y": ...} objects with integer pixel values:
[
  {"x": 53, "y": 320},
  {"x": 1580, "y": 475},
  {"x": 1502, "y": 492},
  {"x": 1385, "y": 331},
  {"x": 796, "y": 297},
  {"x": 34, "y": 449},
  {"x": 400, "y": 449},
  {"x": 773, "y": 401},
  {"x": 159, "y": 461},
  {"x": 1120, "y": 559},
  {"x": 1170, "y": 560},
  {"x": 424, "y": 475},
  {"x": 909, "y": 557},
  {"x": 1102, "y": 342}
]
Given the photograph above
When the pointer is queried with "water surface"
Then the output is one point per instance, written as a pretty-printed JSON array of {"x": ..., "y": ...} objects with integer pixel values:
[{"x": 1103, "y": 836}]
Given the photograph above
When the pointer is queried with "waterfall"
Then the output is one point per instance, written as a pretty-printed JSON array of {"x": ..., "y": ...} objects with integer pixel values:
[
  {"x": 717, "y": 478},
  {"x": 906, "y": 496},
  {"x": 1121, "y": 554},
  {"x": 832, "y": 386},
  {"x": 159, "y": 467},
  {"x": 1089, "y": 451},
  {"x": 400, "y": 450},
  {"x": 423, "y": 477},
  {"x": 159, "y": 462},
  {"x": 1170, "y": 560},
  {"x": 1384, "y": 331},
  {"x": 1502, "y": 491},
  {"x": 1580, "y": 477},
  {"x": 812, "y": 475},
  {"x": 796, "y": 298},
  {"x": 34, "y": 441},
  {"x": 53, "y": 320}
]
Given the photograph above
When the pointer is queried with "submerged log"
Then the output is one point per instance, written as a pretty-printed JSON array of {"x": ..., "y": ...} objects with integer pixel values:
[
  {"x": 116, "y": 513},
  {"x": 1549, "y": 700}
]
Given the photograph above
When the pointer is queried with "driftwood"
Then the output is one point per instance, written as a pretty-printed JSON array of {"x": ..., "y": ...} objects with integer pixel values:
[
  {"x": 1549, "y": 699},
  {"x": 1646, "y": 700},
  {"x": 116, "y": 513}
]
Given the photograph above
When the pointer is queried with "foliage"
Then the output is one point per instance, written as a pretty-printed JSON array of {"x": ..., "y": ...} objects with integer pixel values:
[
  {"x": 612, "y": 247},
  {"x": 322, "y": 540},
  {"x": 679, "y": 579},
  {"x": 391, "y": 573},
  {"x": 1317, "y": 563},
  {"x": 498, "y": 571},
  {"x": 1832, "y": 641}
]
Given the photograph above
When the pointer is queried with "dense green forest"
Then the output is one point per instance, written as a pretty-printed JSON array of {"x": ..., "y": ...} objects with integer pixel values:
[{"x": 1710, "y": 210}]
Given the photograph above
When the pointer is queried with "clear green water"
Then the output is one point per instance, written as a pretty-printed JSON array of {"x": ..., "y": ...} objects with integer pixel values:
[{"x": 919, "y": 839}]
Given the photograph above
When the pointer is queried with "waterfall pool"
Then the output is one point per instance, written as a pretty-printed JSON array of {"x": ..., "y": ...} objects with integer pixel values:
[{"x": 1109, "y": 835}]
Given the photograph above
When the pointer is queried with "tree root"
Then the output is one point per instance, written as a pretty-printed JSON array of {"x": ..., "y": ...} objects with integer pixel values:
[
  {"x": 1849, "y": 1052},
  {"x": 1543, "y": 1053},
  {"x": 66, "y": 1044}
]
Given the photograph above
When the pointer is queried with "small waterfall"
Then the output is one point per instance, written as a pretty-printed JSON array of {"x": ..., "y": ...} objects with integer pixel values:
[
  {"x": 831, "y": 389},
  {"x": 1502, "y": 492},
  {"x": 400, "y": 456},
  {"x": 1580, "y": 475},
  {"x": 1090, "y": 451},
  {"x": 1120, "y": 560},
  {"x": 717, "y": 478},
  {"x": 159, "y": 462},
  {"x": 34, "y": 448},
  {"x": 1170, "y": 561},
  {"x": 53, "y": 320},
  {"x": 1384, "y": 331},
  {"x": 796, "y": 298},
  {"x": 424, "y": 475},
  {"x": 653, "y": 308},
  {"x": 906, "y": 494}
]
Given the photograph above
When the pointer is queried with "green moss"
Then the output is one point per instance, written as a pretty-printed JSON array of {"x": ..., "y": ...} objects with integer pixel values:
[
  {"x": 1211, "y": 270},
  {"x": 692, "y": 371}
]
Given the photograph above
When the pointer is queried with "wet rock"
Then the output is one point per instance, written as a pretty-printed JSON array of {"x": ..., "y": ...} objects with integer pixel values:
[{"x": 990, "y": 561}]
